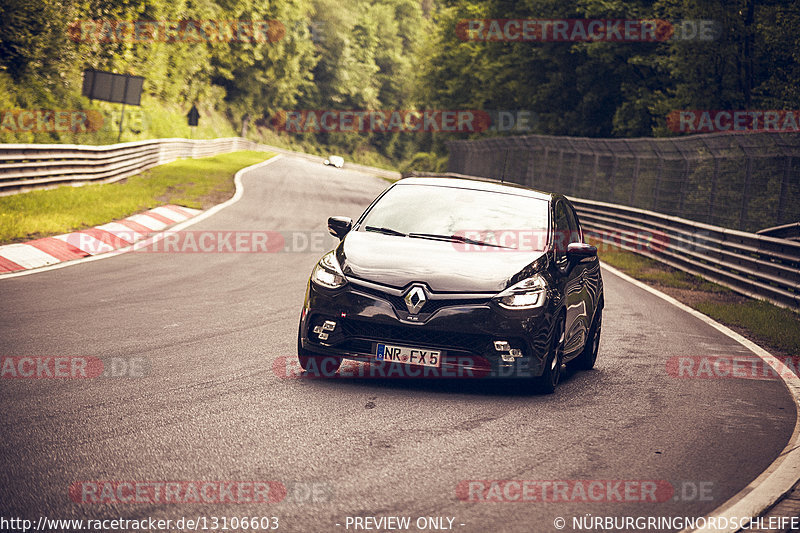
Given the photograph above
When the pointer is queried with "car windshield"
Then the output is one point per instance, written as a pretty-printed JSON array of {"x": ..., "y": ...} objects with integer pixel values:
[{"x": 430, "y": 211}]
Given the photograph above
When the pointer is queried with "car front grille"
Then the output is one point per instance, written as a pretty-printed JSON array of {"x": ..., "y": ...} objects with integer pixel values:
[{"x": 470, "y": 342}]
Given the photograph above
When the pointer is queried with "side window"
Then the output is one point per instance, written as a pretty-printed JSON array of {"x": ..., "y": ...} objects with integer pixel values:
[
  {"x": 561, "y": 230},
  {"x": 574, "y": 228}
]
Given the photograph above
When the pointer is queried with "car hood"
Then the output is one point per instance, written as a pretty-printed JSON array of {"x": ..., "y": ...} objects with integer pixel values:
[{"x": 444, "y": 266}]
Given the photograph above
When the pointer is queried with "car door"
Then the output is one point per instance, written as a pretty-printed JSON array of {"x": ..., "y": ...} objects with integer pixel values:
[{"x": 565, "y": 227}]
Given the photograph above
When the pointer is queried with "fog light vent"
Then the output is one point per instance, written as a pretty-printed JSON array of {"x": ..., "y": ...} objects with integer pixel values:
[
  {"x": 322, "y": 330},
  {"x": 507, "y": 353}
]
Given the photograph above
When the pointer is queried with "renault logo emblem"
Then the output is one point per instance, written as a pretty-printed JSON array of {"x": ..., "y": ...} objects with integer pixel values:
[{"x": 415, "y": 298}]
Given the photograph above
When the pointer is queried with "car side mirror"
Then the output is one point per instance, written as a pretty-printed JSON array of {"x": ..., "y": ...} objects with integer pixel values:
[
  {"x": 580, "y": 250},
  {"x": 339, "y": 226}
]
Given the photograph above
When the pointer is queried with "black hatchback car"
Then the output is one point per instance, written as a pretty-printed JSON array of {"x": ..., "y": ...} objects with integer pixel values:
[{"x": 456, "y": 277}]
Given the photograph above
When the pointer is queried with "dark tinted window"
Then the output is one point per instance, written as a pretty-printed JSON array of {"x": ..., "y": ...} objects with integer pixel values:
[{"x": 510, "y": 220}]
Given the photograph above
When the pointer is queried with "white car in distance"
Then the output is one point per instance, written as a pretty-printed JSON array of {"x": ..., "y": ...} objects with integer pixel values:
[{"x": 335, "y": 161}]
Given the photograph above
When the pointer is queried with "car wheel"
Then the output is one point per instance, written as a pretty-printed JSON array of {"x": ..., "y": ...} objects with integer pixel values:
[
  {"x": 549, "y": 379},
  {"x": 317, "y": 365},
  {"x": 587, "y": 358}
]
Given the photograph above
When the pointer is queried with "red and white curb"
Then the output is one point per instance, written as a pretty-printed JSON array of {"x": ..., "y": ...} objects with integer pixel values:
[
  {"x": 92, "y": 241},
  {"x": 142, "y": 224}
]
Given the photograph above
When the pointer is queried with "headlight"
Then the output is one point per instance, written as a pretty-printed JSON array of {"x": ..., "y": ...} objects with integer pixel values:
[
  {"x": 328, "y": 273},
  {"x": 529, "y": 293}
]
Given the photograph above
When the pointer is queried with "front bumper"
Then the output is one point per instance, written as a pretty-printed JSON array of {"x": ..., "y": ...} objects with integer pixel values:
[{"x": 463, "y": 327}]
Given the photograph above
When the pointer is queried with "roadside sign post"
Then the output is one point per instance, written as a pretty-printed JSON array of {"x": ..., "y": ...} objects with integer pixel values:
[
  {"x": 193, "y": 116},
  {"x": 121, "y": 120},
  {"x": 110, "y": 87}
]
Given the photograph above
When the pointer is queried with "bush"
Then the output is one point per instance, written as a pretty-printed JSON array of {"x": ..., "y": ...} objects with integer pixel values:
[{"x": 425, "y": 162}]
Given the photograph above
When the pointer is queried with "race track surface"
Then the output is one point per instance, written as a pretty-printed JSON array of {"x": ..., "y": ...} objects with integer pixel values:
[{"x": 212, "y": 407}]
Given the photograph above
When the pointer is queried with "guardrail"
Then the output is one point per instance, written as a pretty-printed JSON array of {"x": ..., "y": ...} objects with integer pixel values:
[
  {"x": 25, "y": 167},
  {"x": 786, "y": 231},
  {"x": 758, "y": 266}
]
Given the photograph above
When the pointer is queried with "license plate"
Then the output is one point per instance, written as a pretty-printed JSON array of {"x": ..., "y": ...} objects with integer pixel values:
[{"x": 409, "y": 356}]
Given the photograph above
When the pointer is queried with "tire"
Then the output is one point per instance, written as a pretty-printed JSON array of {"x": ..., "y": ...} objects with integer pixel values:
[
  {"x": 317, "y": 365},
  {"x": 549, "y": 379},
  {"x": 588, "y": 357}
]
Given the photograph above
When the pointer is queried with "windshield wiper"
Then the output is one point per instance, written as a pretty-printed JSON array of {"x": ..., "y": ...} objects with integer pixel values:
[
  {"x": 455, "y": 238},
  {"x": 385, "y": 231}
]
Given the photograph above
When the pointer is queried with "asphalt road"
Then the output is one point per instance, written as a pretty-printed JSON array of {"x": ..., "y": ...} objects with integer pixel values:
[{"x": 211, "y": 407}]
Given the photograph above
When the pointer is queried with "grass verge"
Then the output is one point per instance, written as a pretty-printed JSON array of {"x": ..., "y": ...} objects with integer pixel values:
[
  {"x": 768, "y": 325},
  {"x": 198, "y": 183}
]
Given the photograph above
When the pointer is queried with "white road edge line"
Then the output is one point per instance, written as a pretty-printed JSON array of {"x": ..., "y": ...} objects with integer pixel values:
[
  {"x": 237, "y": 180},
  {"x": 780, "y": 476}
]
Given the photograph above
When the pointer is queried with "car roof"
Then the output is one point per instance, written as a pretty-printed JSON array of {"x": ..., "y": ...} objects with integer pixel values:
[{"x": 478, "y": 184}]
